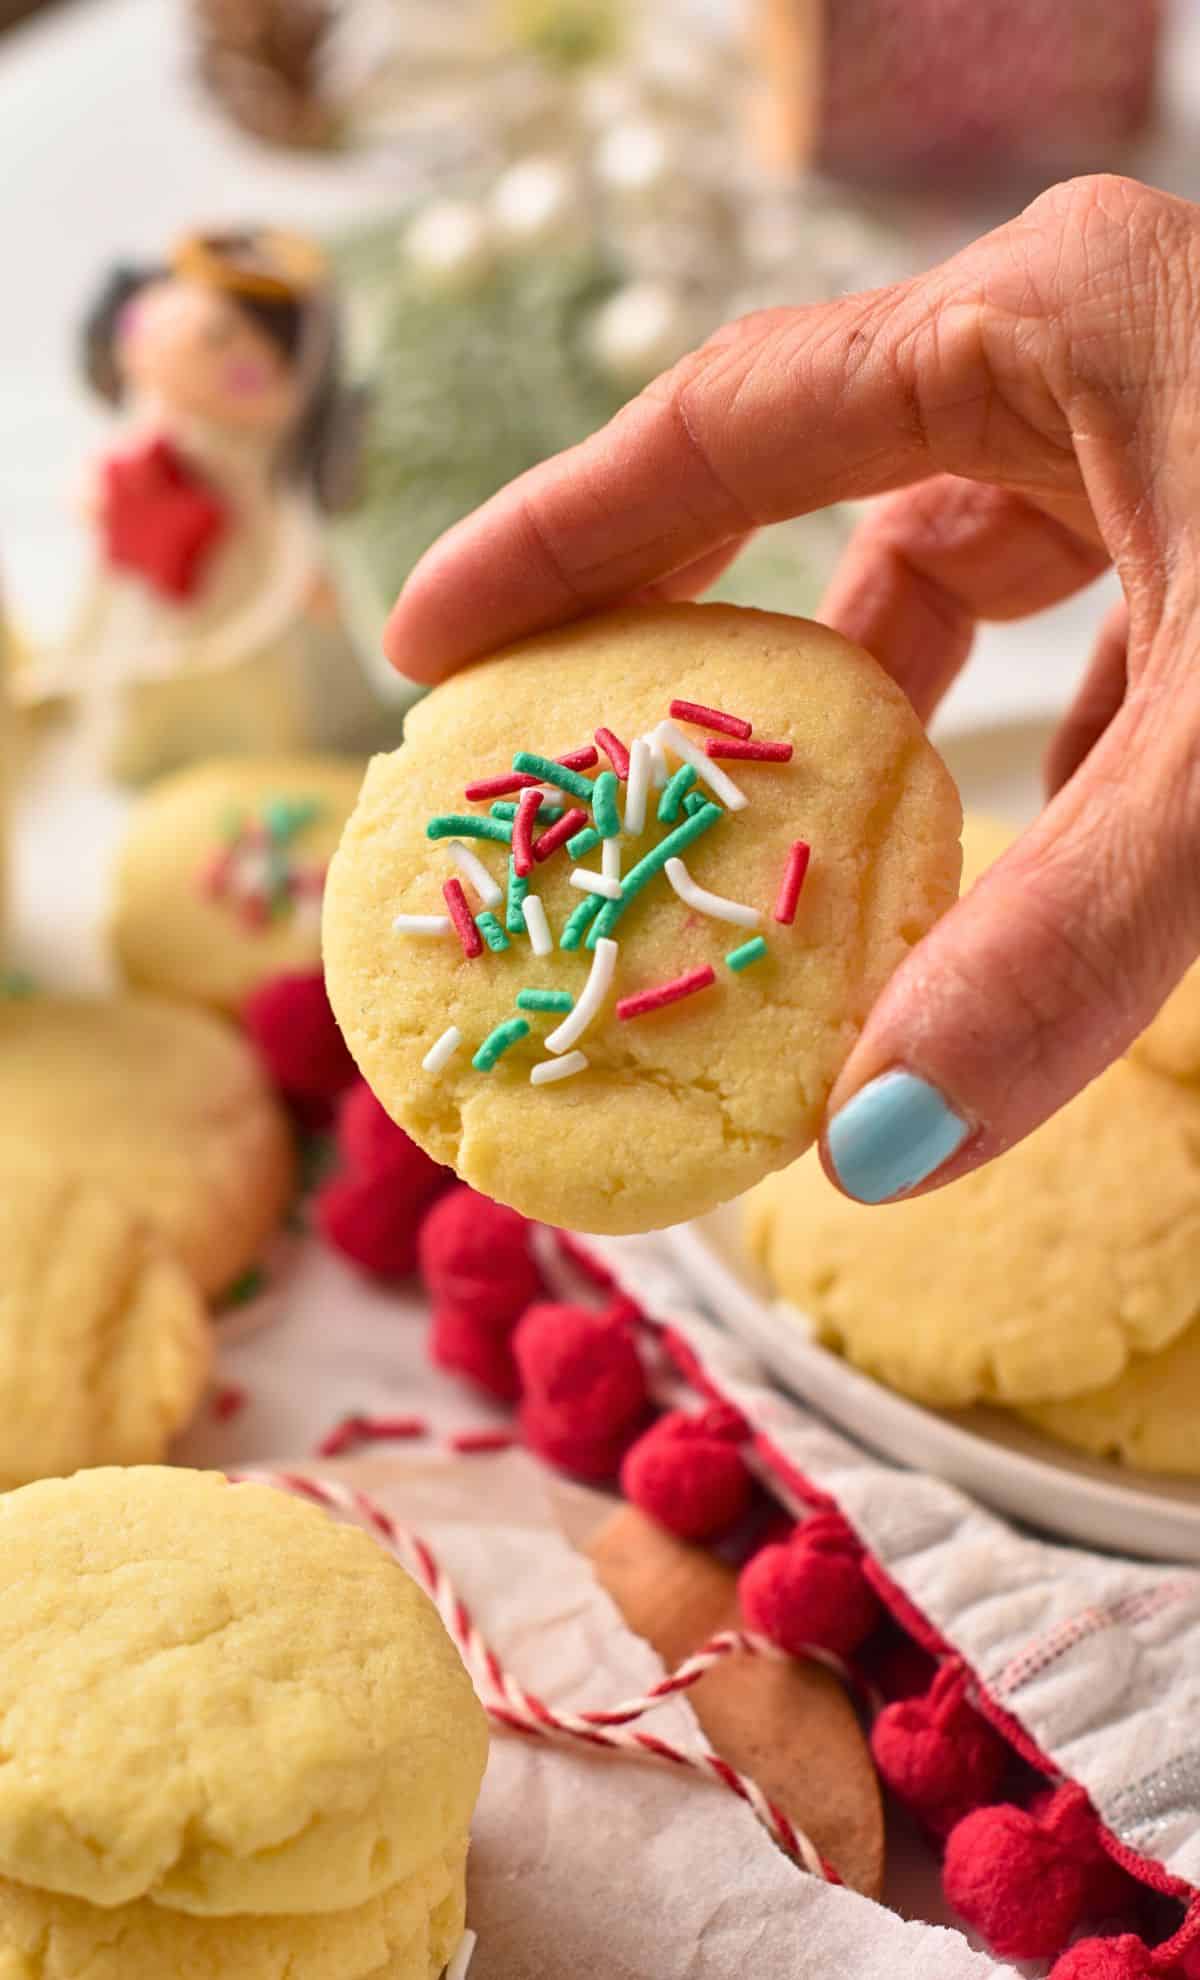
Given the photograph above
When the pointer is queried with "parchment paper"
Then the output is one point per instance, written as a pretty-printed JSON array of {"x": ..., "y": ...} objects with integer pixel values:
[{"x": 591, "y": 1864}]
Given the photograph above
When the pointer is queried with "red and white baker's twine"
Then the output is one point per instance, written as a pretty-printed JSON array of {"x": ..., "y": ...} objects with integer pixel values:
[{"x": 509, "y": 1704}]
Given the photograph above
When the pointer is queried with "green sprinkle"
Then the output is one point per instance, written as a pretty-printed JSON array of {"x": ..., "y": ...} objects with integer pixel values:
[
  {"x": 675, "y": 792},
  {"x": 497, "y": 1043},
  {"x": 604, "y": 804},
  {"x": 584, "y": 842},
  {"x": 248, "y": 1287},
  {"x": 649, "y": 865},
  {"x": 577, "y": 921},
  {"x": 694, "y": 802},
  {"x": 518, "y": 887},
  {"x": 545, "y": 1000},
  {"x": 546, "y": 772},
  {"x": 750, "y": 952},
  {"x": 284, "y": 816},
  {"x": 491, "y": 930},
  {"x": 546, "y": 813},
  {"x": 462, "y": 825}
]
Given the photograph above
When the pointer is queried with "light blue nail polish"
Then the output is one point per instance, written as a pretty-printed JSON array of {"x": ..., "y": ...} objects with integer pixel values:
[{"x": 893, "y": 1134}]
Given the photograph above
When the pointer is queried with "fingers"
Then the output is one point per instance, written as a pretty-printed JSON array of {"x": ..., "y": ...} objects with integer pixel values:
[
  {"x": 930, "y": 562},
  {"x": 1099, "y": 696},
  {"x": 1043, "y": 973},
  {"x": 783, "y": 413},
  {"x": 695, "y": 579}
]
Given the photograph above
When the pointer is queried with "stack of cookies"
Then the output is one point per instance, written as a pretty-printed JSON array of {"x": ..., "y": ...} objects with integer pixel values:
[
  {"x": 1060, "y": 1281},
  {"x": 238, "y": 1741}
]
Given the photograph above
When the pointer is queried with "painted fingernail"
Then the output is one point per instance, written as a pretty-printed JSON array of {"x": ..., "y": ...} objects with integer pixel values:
[{"x": 893, "y": 1134}]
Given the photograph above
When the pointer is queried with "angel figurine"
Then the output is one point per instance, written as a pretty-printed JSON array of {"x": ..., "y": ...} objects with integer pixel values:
[{"x": 210, "y": 625}]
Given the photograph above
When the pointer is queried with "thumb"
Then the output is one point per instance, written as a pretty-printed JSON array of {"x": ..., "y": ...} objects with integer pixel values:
[{"x": 1039, "y": 978}]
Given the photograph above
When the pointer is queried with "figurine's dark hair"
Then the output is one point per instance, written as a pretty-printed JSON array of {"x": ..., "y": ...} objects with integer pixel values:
[{"x": 324, "y": 448}]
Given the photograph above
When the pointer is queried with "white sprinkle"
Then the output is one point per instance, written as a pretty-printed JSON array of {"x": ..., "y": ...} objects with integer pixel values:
[
  {"x": 538, "y": 928},
  {"x": 596, "y": 883},
  {"x": 470, "y": 864},
  {"x": 590, "y": 1000},
  {"x": 438, "y": 1057},
  {"x": 457, "y": 1969},
  {"x": 551, "y": 1069},
  {"x": 610, "y": 858},
  {"x": 422, "y": 924},
  {"x": 637, "y": 786},
  {"x": 699, "y": 898},
  {"x": 658, "y": 756},
  {"x": 712, "y": 773}
]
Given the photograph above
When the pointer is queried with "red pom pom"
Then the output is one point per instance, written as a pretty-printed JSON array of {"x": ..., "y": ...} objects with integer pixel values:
[
  {"x": 290, "y": 1021},
  {"x": 371, "y": 1223},
  {"x": 937, "y": 1754},
  {"x": 583, "y": 1367},
  {"x": 688, "y": 1474},
  {"x": 1125, "y": 1958},
  {"x": 811, "y": 1590},
  {"x": 594, "y": 1458},
  {"x": 460, "y": 1345},
  {"x": 371, "y": 1144},
  {"x": 1023, "y": 1881},
  {"x": 476, "y": 1255}
]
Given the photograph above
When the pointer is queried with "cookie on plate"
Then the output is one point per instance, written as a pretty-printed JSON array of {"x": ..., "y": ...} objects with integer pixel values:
[
  {"x": 582, "y": 1030},
  {"x": 1149, "y": 1417},
  {"x": 219, "y": 881},
  {"x": 1035, "y": 1278},
  {"x": 166, "y": 1107},
  {"x": 105, "y": 1344},
  {"x": 219, "y": 1701}
]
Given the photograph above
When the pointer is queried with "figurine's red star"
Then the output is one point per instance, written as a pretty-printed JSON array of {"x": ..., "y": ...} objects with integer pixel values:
[{"x": 160, "y": 519}]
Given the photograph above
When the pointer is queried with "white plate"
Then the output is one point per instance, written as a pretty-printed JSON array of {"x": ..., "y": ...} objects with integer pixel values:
[{"x": 1002, "y": 1462}]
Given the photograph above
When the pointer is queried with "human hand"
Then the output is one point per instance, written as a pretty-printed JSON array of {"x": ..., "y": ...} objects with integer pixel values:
[{"x": 1031, "y": 412}]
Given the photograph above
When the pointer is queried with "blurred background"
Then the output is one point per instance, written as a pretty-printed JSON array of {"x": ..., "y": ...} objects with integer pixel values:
[{"x": 529, "y": 207}]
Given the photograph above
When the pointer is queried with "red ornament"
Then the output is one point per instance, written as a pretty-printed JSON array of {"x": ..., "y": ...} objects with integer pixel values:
[
  {"x": 460, "y": 1345},
  {"x": 595, "y": 1459},
  {"x": 371, "y": 1144},
  {"x": 581, "y": 1368},
  {"x": 1024, "y": 1878},
  {"x": 687, "y": 1473},
  {"x": 1125, "y": 1958},
  {"x": 937, "y": 1754},
  {"x": 476, "y": 1255},
  {"x": 290, "y": 1021},
  {"x": 811, "y": 1590},
  {"x": 371, "y": 1223},
  {"x": 160, "y": 519}
]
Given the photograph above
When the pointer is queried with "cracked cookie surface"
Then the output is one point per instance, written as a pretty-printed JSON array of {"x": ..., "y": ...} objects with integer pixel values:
[{"x": 688, "y": 1105}]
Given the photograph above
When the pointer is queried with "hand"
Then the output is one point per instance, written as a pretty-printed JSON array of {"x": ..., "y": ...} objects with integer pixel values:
[{"x": 1034, "y": 407}]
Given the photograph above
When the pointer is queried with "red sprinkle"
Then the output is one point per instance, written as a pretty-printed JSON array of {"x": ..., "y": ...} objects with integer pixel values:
[
  {"x": 749, "y": 752},
  {"x": 711, "y": 718},
  {"x": 528, "y": 806},
  {"x": 666, "y": 993},
  {"x": 793, "y": 879},
  {"x": 387, "y": 1429},
  {"x": 472, "y": 1443},
  {"x": 615, "y": 751},
  {"x": 341, "y": 1438},
  {"x": 494, "y": 787},
  {"x": 556, "y": 835},
  {"x": 578, "y": 759},
  {"x": 463, "y": 919},
  {"x": 229, "y": 1402}
]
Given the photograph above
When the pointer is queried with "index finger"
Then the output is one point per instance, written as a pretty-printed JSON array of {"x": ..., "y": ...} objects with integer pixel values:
[{"x": 775, "y": 416}]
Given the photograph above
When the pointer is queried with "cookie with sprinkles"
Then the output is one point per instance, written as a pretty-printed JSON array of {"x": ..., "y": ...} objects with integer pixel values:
[
  {"x": 694, "y": 934},
  {"x": 220, "y": 878}
]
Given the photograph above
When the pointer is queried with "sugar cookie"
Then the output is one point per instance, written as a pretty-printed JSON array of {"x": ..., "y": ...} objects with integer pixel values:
[
  {"x": 983, "y": 841},
  {"x": 608, "y": 1041},
  {"x": 219, "y": 880},
  {"x": 1150, "y": 1416},
  {"x": 1032, "y": 1279},
  {"x": 1171, "y": 1044},
  {"x": 217, "y": 1698},
  {"x": 104, "y": 1341},
  {"x": 164, "y": 1106}
]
